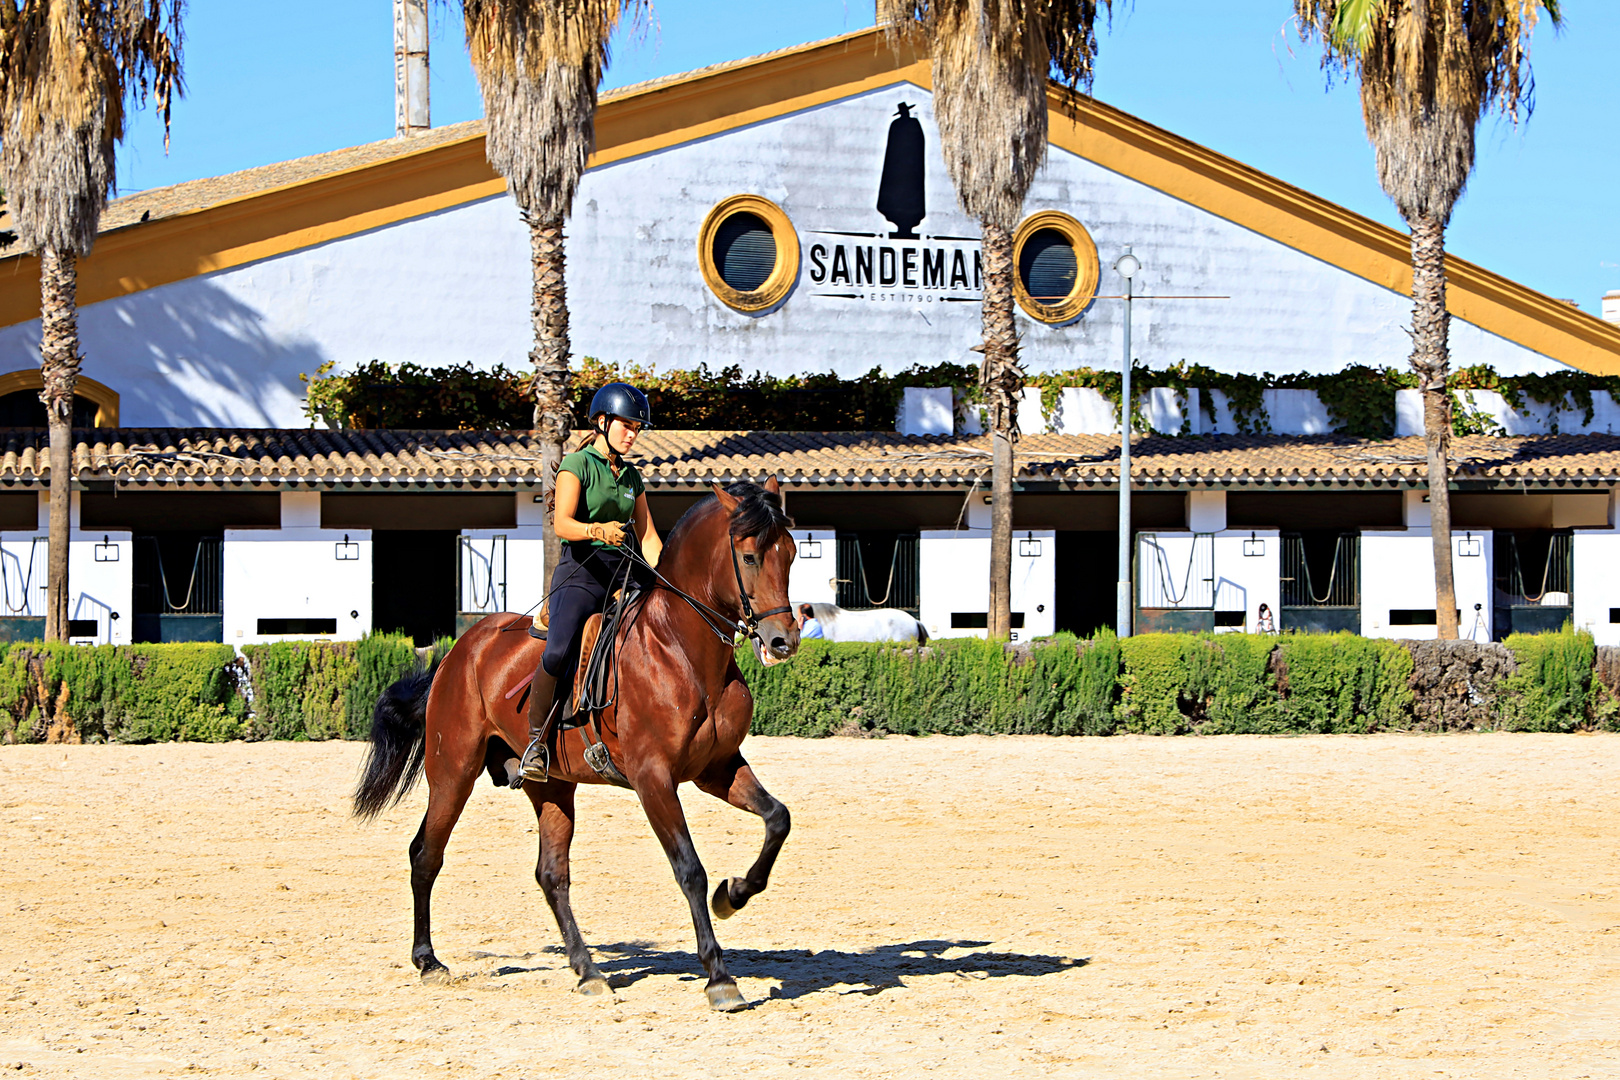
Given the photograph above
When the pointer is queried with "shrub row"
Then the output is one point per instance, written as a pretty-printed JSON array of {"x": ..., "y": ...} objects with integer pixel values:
[
  {"x": 1155, "y": 684},
  {"x": 196, "y": 692},
  {"x": 1173, "y": 684},
  {"x": 323, "y": 690},
  {"x": 122, "y": 693}
]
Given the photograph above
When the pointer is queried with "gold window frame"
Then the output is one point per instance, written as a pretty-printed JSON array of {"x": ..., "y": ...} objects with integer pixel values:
[
  {"x": 783, "y": 274},
  {"x": 1088, "y": 270}
]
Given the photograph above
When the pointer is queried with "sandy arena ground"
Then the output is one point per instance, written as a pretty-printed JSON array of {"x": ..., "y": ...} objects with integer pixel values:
[{"x": 1391, "y": 907}]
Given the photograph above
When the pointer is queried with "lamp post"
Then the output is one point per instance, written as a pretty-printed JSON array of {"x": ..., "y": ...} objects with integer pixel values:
[{"x": 1126, "y": 266}]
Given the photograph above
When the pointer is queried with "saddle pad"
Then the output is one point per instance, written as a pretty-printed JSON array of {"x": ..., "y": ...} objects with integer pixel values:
[{"x": 587, "y": 645}]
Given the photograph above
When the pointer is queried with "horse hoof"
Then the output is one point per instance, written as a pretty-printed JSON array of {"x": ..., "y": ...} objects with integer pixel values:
[
  {"x": 436, "y": 974},
  {"x": 724, "y": 997},
  {"x": 721, "y": 904},
  {"x": 593, "y": 986}
]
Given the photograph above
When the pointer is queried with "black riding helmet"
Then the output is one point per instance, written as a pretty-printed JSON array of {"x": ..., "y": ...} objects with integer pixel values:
[{"x": 624, "y": 401}]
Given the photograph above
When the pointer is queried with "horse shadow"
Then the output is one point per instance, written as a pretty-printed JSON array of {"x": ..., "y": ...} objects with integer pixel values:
[{"x": 804, "y": 971}]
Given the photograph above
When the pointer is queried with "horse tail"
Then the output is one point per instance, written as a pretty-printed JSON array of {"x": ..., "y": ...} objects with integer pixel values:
[
  {"x": 394, "y": 760},
  {"x": 922, "y": 633}
]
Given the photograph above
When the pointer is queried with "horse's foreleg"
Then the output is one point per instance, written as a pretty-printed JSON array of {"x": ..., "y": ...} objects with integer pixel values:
[
  {"x": 554, "y": 814},
  {"x": 445, "y": 801},
  {"x": 663, "y": 809},
  {"x": 734, "y": 781}
]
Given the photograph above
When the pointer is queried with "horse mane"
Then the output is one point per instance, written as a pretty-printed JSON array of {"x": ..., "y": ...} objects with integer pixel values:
[
  {"x": 824, "y": 613},
  {"x": 759, "y": 514}
]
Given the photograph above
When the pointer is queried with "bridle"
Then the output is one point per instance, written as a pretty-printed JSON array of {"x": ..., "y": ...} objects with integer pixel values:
[
  {"x": 750, "y": 621},
  {"x": 748, "y": 625}
]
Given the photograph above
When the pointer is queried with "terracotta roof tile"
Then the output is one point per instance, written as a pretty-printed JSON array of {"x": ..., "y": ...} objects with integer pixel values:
[{"x": 681, "y": 458}]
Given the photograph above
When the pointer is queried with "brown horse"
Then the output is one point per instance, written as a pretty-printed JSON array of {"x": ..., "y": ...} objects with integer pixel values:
[{"x": 681, "y": 713}]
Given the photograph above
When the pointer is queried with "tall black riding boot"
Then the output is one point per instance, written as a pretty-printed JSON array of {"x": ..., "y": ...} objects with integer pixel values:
[{"x": 542, "y": 691}]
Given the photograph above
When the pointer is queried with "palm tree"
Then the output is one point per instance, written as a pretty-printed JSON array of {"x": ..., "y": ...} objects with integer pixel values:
[
  {"x": 67, "y": 70},
  {"x": 991, "y": 63},
  {"x": 1427, "y": 70},
  {"x": 539, "y": 63}
]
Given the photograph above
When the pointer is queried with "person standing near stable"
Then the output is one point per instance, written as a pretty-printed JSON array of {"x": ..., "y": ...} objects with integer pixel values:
[{"x": 599, "y": 500}]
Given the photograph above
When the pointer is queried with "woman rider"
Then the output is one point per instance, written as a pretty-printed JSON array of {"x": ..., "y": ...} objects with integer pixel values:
[{"x": 598, "y": 495}]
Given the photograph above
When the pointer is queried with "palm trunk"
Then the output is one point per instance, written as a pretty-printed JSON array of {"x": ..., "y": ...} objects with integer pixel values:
[
  {"x": 59, "y": 370},
  {"x": 550, "y": 358},
  {"x": 1431, "y": 359},
  {"x": 1001, "y": 379}
]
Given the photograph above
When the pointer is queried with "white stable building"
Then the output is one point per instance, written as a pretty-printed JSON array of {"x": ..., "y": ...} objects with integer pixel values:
[{"x": 788, "y": 213}]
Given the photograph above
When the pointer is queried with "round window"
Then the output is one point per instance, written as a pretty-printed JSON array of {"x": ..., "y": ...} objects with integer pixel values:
[
  {"x": 1046, "y": 267},
  {"x": 749, "y": 253},
  {"x": 1057, "y": 266},
  {"x": 744, "y": 252}
]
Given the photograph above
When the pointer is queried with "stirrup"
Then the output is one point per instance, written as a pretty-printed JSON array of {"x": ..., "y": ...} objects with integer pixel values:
[{"x": 536, "y": 763}]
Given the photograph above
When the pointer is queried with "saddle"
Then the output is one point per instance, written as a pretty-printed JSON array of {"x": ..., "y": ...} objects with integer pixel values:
[{"x": 593, "y": 679}]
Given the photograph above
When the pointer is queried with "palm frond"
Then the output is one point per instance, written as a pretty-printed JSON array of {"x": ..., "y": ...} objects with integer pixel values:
[
  {"x": 1427, "y": 70},
  {"x": 69, "y": 69},
  {"x": 539, "y": 63}
]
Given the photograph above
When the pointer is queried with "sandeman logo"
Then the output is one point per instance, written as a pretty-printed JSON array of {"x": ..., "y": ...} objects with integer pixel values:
[{"x": 899, "y": 265}]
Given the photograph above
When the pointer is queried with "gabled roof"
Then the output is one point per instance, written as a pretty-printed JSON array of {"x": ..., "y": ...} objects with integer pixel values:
[
  {"x": 213, "y": 224},
  {"x": 677, "y": 460}
]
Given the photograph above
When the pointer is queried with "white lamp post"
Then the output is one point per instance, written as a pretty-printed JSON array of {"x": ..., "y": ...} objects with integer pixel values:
[{"x": 1126, "y": 266}]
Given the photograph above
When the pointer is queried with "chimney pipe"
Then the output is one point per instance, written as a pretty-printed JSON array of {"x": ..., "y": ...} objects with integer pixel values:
[
  {"x": 1611, "y": 306},
  {"x": 410, "y": 67}
]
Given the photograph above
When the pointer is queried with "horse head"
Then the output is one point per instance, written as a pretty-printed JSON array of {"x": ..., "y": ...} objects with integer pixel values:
[{"x": 762, "y": 551}]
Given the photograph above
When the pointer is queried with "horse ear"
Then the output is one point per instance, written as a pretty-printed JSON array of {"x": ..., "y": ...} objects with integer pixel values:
[
  {"x": 727, "y": 500},
  {"x": 773, "y": 485}
]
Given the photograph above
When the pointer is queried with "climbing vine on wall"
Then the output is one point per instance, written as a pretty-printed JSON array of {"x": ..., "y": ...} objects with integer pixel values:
[
  {"x": 1360, "y": 400},
  {"x": 461, "y": 397}
]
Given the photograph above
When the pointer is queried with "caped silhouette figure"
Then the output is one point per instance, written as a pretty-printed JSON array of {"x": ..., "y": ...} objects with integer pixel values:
[{"x": 900, "y": 191}]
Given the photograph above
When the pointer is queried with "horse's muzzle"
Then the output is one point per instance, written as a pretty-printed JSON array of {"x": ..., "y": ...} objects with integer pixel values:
[{"x": 777, "y": 643}]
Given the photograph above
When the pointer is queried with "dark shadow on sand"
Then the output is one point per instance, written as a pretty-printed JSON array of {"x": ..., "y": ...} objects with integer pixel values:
[{"x": 801, "y": 971}]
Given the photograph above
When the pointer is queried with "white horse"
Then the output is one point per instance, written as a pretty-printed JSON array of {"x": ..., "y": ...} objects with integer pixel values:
[{"x": 878, "y": 624}]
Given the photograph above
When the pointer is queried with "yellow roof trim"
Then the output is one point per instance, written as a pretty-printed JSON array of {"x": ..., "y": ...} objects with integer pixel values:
[
  {"x": 1325, "y": 230},
  {"x": 657, "y": 115},
  {"x": 632, "y": 121}
]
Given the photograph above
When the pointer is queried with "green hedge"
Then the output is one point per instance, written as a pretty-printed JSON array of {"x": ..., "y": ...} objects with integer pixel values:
[
  {"x": 1173, "y": 684},
  {"x": 1552, "y": 690},
  {"x": 323, "y": 690},
  {"x": 120, "y": 693},
  {"x": 196, "y": 692},
  {"x": 1154, "y": 684}
]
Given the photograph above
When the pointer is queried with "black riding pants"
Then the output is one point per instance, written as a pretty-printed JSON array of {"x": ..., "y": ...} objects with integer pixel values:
[{"x": 580, "y": 585}]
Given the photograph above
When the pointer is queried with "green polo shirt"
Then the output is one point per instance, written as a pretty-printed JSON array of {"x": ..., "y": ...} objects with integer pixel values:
[{"x": 603, "y": 497}]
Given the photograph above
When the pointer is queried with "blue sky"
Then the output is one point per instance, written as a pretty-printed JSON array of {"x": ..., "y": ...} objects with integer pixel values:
[{"x": 271, "y": 82}]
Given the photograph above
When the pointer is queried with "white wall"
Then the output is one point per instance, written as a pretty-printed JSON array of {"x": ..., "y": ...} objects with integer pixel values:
[
  {"x": 100, "y": 580},
  {"x": 1248, "y": 570},
  {"x": 813, "y": 578},
  {"x": 226, "y": 349},
  {"x": 954, "y": 576},
  {"x": 1397, "y": 572},
  {"x": 1597, "y": 582},
  {"x": 1533, "y": 419},
  {"x": 294, "y": 573}
]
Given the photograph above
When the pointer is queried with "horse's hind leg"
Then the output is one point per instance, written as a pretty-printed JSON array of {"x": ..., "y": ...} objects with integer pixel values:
[
  {"x": 554, "y": 815},
  {"x": 446, "y": 797},
  {"x": 734, "y": 781},
  {"x": 663, "y": 808}
]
